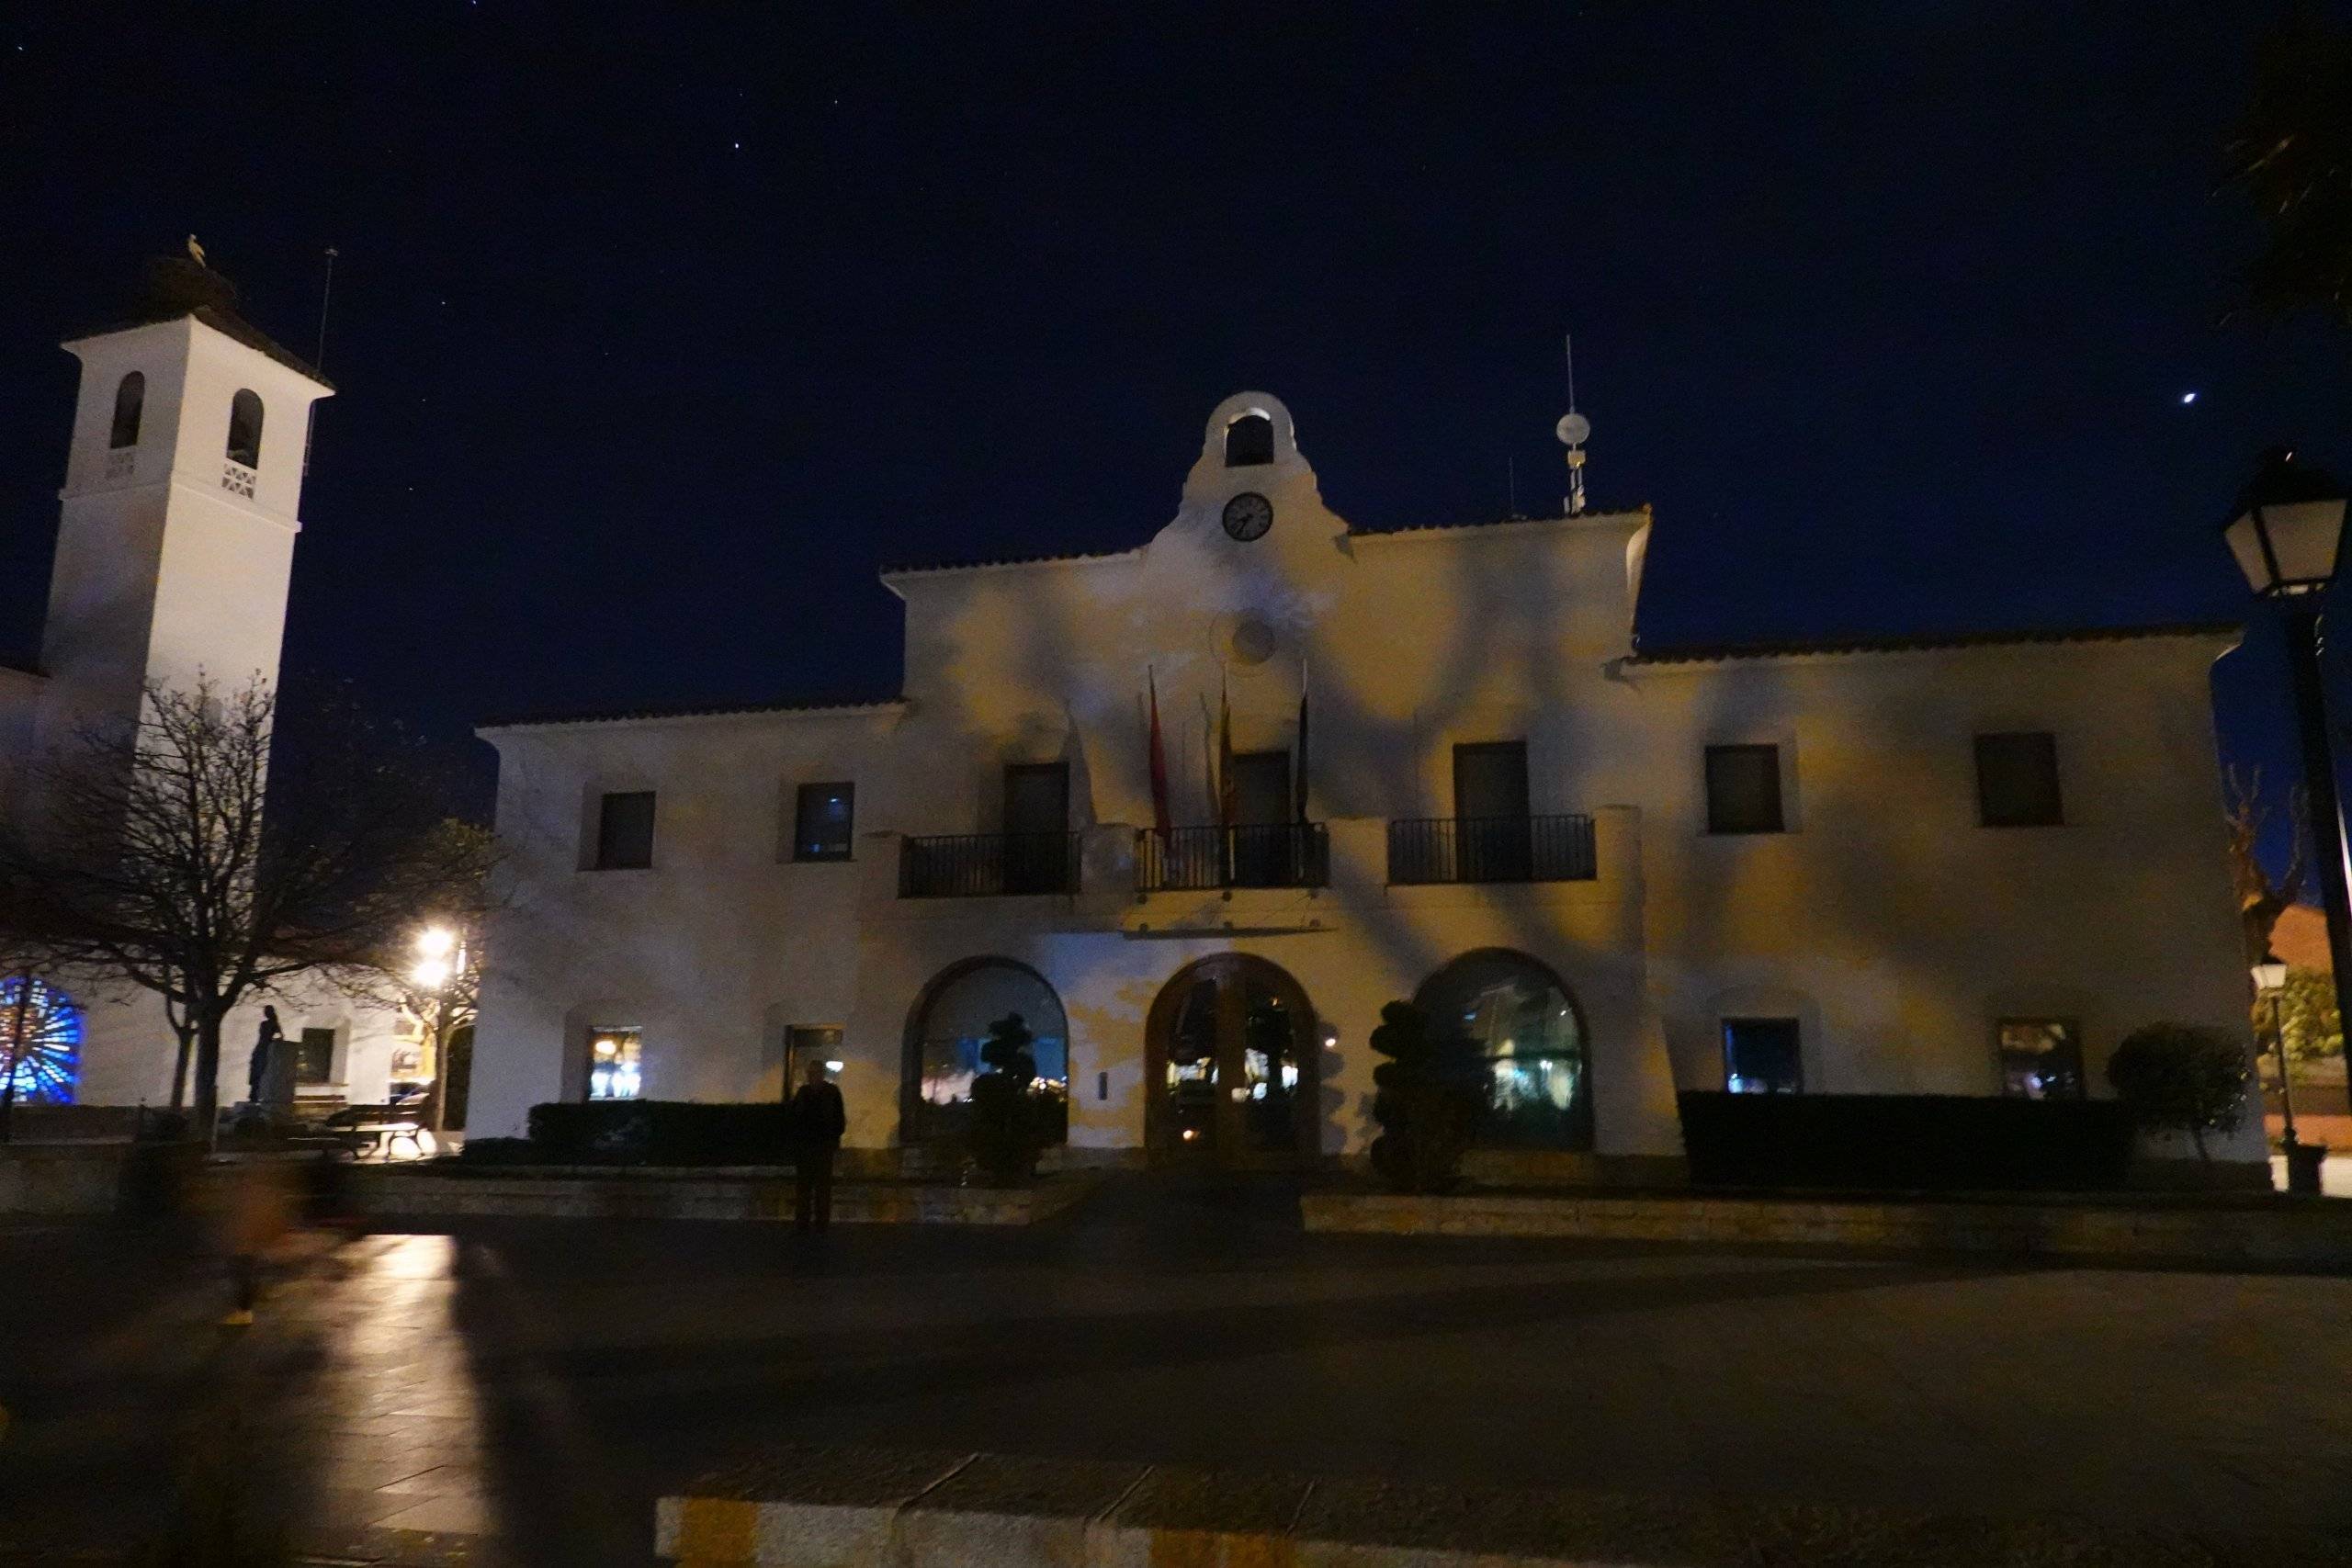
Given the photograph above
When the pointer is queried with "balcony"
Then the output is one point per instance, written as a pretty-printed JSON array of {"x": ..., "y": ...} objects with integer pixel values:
[
  {"x": 985, "y": 866},
  {"x": 1490, "y": 849},
  {"x": 1280, "y": 854}
]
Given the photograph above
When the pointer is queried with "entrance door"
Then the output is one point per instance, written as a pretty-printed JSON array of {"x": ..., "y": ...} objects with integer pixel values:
[
  {"x": 1036, "y": 828},
  {"x": 1261, "y": 836},
  {"x": 1493, "y": 841},
  {"x": 1231, "y": 1062}
]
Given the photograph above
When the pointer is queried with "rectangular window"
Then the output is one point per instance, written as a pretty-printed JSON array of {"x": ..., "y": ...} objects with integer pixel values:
[
  {"x": 2041, "y": 1059},
  {"x": 2017, "y": 780},
  {"x": 1493, "y": 841},
  {"x": 804, "y": 1043},
  {"x": 314, "y": 1056},
  {"x": 613, "y": 1067},
  {"x": 1760, "y": 1056},
  {"x": 822, "y": 819},
  {"x": 1036, "y": 828},
  {"x": 1744, "y": 789},
  {"x": 625, "y": 831}
]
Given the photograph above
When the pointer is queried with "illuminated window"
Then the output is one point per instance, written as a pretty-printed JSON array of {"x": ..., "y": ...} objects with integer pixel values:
[
  {"x": 613, "y": 1066},
  {"x": 2017, "y": 780},
  {"x": 804, "y": 1043},
  {"x": 1250, "y": 441},
  {"x": 625, "y": 831},
  {"x": 2041, "y": 1059},
  {"x": 823, "y": 818},
  {"x": 245, "y": 429},
  {"x": 1744, "y": 789},
  {"x": 1538, "y": 1093},
  {"x": 40, "y": 1040},
  {"x": 954, "y": 1023},
  {"x": 130, "y": 403},
  {"x": 1762, "y": 1057}
]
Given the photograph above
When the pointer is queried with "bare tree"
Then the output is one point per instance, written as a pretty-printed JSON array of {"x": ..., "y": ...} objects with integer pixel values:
[
  {"x": 2291, "y": 153},
  {"x": 2261, "y": 897},
  {"x": 150, "y": 856}
]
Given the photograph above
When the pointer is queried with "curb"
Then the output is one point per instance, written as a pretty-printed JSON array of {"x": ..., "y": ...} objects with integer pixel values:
[{"x": 817, "y": 1508}]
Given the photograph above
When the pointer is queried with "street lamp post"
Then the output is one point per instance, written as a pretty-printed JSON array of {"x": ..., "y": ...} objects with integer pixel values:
[
  {"x": 2287, "y": 531},
  {"x": 434, "y": 967}
]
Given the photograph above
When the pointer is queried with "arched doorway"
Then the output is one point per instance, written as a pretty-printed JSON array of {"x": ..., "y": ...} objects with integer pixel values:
[
  {"x": 1229, "y": 1066},
  {"x": 1525, "y": 1024},
  {"x": 949, "y": 1025}
]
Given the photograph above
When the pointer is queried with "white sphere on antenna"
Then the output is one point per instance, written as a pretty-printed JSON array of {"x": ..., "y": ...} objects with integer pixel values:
[{"x": 1573, "y": 430}]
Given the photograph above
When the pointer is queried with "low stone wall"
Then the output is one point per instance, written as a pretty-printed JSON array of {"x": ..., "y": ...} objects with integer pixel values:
[
  {"x": 62, "y": 1179},
  {"x": 811, "y": 1507},
  {"x": 2278, "y": 1232},
  {"x": 747, "y": 1194}
]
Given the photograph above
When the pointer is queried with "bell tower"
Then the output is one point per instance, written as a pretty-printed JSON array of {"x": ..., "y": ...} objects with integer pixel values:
[{"x": 183, "y": 486}]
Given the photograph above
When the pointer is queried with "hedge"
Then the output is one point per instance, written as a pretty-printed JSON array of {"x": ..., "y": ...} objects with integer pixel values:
[
  {"x": 1905, "y": 1142},
  {"x": 659, "y": 1132}
]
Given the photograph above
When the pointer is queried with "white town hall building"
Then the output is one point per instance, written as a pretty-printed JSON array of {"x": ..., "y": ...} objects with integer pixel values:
[{"x": 1963, "y": 865}]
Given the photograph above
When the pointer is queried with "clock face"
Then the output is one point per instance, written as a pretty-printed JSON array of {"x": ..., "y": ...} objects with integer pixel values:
[{"x": 1249, "y": 515}]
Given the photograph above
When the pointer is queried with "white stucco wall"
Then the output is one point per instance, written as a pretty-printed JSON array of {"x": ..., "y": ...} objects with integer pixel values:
[{"x": 1892, "y": 923}]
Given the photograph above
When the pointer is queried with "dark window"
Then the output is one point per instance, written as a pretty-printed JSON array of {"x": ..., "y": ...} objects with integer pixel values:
[
  {"x": 1760, "y": 1056},
  {"x": 1249, "y": 441},
  {"x": 821, "y": 821},
  {"x": 806, "y": 1044},
  {"x": 314, "y": 1056},
  {"x": 1494, "y": 839},
  {"x": 2041, "y": 1059},
  {"x": 1036, "y": 828},
  {"x": 130, "y": 403},
  {"x": 625, "y": 831},
  {"x": 244, "y": 430},
  {"x": 1744, "y": 789},
  {"x": 2017, "y": 780}
]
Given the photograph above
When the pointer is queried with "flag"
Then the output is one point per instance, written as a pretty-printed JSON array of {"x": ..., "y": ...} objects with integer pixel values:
[
  {"x": 1301, "y": 790},
  {"x": 1228, "y": 805},
  {"x": 1158, "y": 761}
]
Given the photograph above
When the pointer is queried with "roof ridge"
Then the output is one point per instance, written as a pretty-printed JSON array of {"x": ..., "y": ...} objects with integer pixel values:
[{"x": 1769, "y": 648}]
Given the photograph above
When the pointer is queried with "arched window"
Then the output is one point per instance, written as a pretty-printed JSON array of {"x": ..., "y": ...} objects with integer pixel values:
[
  {"x": 1539, "y": 1091},
  {"x": 953, "y": 1020},
  {"x": 40, "y": 1040},
  {"x": 130, "y": 403},
  {"x": 245, "y": 429},
  {"x": 1249, "y": 441}
]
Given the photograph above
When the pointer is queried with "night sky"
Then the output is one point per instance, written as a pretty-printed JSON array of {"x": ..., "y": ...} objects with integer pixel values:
[{"x": 661, "y": 329}]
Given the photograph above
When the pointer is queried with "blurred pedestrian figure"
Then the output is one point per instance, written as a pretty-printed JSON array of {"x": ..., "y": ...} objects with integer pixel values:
[
  {"x": 256, "y": 1217},
  {"x": 817, "y": 1119}
]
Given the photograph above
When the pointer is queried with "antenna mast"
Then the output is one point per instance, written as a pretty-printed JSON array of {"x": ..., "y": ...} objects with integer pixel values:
[
  {"x": 318, "y": 360},
  {"x": 1574, "y": 430}
]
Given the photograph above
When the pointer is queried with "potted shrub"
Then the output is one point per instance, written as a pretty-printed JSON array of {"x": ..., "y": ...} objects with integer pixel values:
[
  {"x": 1007, "y": 1132},
  {"x": 2181, "y": 1077},
  {"x": 1432, "y": 1092}
]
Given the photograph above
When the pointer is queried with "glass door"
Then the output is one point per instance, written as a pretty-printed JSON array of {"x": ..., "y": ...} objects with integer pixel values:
[
  {"x": 1036, "y": 828},
  {"x": 1232, "y": 1065},
  {"x": 1492, "y": 843}
]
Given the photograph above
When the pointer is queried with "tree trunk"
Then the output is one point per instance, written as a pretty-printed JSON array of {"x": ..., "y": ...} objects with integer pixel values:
[
  {"x": 179, "y": 1065},
  {"x": 16, "y": 1053},
  {"x": 206, "y": 1098}
]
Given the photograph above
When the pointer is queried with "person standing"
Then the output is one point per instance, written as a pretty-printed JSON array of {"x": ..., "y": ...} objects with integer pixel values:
[
  {"x": 268, "y": 1044},
  {"x": 819, "y": 1120}
]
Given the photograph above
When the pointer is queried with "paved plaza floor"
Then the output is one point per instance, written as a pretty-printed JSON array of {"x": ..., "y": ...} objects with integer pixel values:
[{"x": 525, "y": 1389}]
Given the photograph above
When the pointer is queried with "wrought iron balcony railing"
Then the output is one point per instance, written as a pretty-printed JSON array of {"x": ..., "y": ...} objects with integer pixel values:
[
  {"x": 979, "y": 865},
  {"x": 1279, "y": 855},
  {"x": 1490, "y": 849}
]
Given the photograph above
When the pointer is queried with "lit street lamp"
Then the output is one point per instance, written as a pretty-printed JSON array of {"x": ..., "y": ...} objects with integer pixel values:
[
  {"x": 2287, "y": 531},
  {"x": 2303, "y": 1160},
  {"x": 440, "y": 957}
]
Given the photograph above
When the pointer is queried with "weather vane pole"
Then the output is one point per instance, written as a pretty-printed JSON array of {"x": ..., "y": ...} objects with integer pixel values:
[{"x": 1573, "y": 431}]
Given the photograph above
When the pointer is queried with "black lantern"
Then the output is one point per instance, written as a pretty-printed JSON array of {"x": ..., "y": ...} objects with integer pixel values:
[{"x": 2287, "y": 529}]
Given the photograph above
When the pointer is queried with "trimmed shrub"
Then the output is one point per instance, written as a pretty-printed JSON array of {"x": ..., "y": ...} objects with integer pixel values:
[
  {"x": 1007, "y": 1128},
  {"x": 2180, "y": 1077},
  {"x": 1430, "y": 1095},
  {"x": 1905, "y": 1142},
  {"x": 658, "y": 1132}
]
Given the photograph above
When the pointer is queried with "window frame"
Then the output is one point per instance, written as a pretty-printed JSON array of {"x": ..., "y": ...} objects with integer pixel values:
[
  {"x": 2072, "y": 1026},
  {"x": 304, "y": 1040},
  {"x": 247, "y": 454},
  {"x": 630, "y": 1033},
  {"x": 798, "y": 1037},
  {"x": 602, "y": 857},
  {"x": 802, "y": 796},
  {"x": 1716, "y": 827},
  {"x": 1725, "y": 1026},
  {"x": 122, "y": 434},
  {"x": 2056, "y": 804}
]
